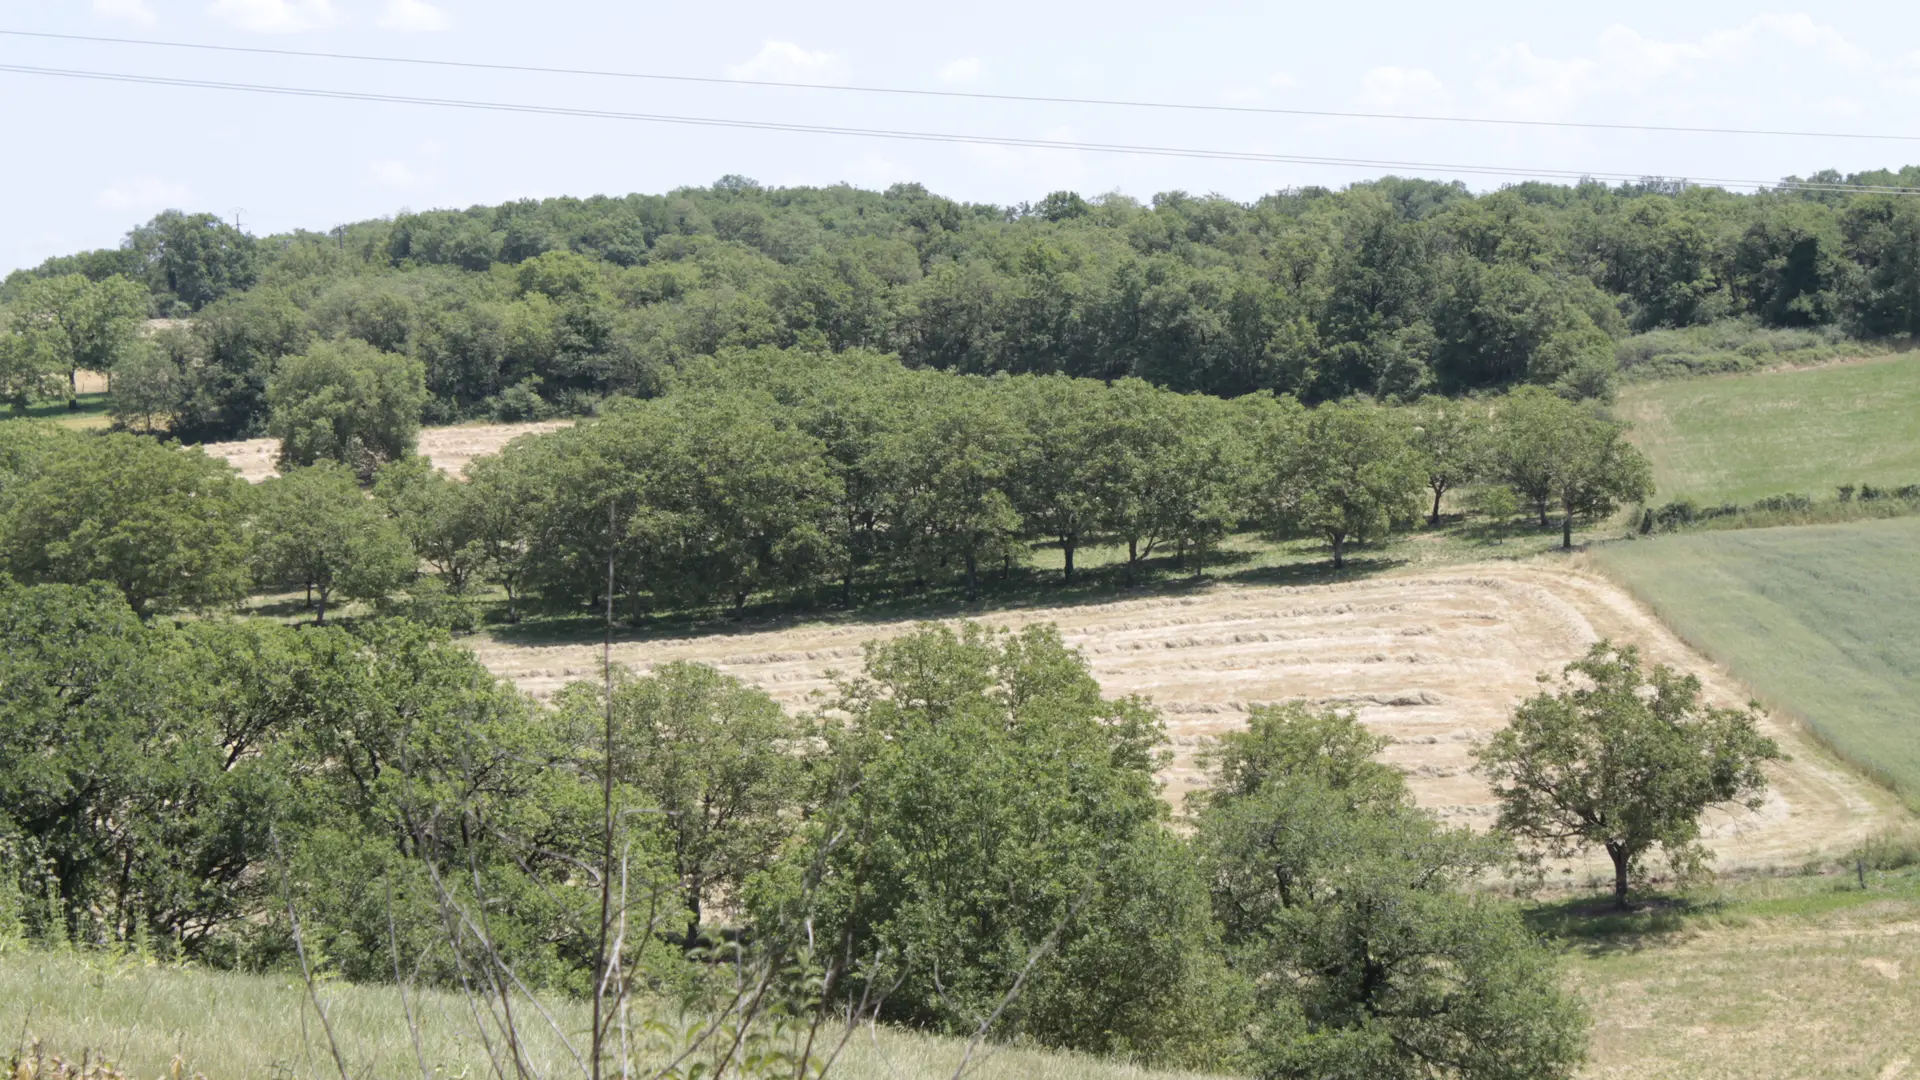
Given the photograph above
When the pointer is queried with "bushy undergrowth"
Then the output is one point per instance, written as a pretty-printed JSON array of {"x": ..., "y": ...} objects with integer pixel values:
[
  {"x": 1734, "y": 345},
  {"x": 1851, "y": 502}
]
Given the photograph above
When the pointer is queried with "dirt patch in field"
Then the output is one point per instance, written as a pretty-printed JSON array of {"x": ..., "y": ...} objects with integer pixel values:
[
  {"x": 1434, "y": 660},
  {"x": 449, "y": 448}
]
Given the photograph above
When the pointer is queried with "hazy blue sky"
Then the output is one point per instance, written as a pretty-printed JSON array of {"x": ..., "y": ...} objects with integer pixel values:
[{"x": 88, "y": 160}]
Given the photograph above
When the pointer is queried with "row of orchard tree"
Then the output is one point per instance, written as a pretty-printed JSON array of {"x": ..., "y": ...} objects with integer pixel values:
[
  {"x": 760, "y": 474},
  {"x": 771, "y": 474}
]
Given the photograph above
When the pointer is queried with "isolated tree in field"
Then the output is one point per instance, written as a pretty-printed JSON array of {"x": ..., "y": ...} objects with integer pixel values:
[
  {"x": 1626, "y": 760},
  {"x": 1451, "y": 438},
  {"x": 1354, "y": 916},
  {"x": 346, "y": 401},
  {"x": 1356, "y": 477},
  {"x": 164, "y": 525},
  {"x": 716, "y": 762},
  {"x": 314, "y": 528}
]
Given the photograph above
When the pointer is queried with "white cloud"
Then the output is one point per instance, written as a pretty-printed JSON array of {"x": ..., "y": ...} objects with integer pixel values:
[
  {"x": 415, "y": 15},
  {"x": 1394, "y": 87},
  {"x": 143, "y": 193},
  {"x": 274, "y": 16},
  {"x": 134, "y": 11},
  {"x": 1768, "y": 64},
  {"x": 964, "y": 70},
  {"x": 783, "y": 61}
]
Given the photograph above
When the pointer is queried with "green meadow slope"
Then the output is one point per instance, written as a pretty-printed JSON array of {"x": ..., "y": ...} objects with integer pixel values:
[
  {"x": 1823, "y": 621},
  {"x": 1736, "y": 438}
]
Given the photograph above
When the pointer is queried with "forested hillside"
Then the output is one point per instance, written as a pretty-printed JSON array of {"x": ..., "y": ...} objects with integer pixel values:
[{"x": 1392, "y": 288}]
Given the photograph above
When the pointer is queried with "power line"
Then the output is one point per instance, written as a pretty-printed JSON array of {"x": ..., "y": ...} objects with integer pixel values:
[
  {"x": 917, "y": 136},
  {"x": 969, "y": 94}
]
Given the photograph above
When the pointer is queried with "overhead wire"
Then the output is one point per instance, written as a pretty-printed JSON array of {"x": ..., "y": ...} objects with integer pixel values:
[
  {"x": 922, "y": 136},
  {"x": 975, "y": 95}
]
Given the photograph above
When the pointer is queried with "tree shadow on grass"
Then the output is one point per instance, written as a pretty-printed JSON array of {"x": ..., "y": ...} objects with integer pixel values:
[
  {"x": 895, "y": 600},
  {"x": 1593, "y": 925}
]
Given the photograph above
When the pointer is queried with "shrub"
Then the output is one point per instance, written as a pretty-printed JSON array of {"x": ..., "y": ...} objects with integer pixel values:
[{"x": 1889, "y": 849}]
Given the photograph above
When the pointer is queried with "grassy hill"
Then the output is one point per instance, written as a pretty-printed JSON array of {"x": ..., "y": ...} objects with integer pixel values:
[
  {"x": 1736, "y": 438},
  {"x": 1823, "y": 621}
]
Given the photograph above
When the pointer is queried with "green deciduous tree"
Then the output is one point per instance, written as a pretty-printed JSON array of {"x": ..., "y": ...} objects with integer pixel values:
[
  {"x": 1559, "y": 454},
  {"x": 162, "y": 524},
  {"x": 72, "y": 324},
  {"x": 718, "y": 766},
  {"x": 1348, "y": 909},
  {"x": 440, "y": 517},
  {"x": 315, "y": 529},
  {"x": 346, "y": 401},
  {"x": 950, "y": 464},
  {"x": 1623, "y": 759},
  {"x": 1355, "y": 476},
  {"x": 993, "y": 814},
  {"x": 1452, "y": 439}
]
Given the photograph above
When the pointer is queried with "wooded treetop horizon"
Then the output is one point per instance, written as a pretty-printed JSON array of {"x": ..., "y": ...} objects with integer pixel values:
[{"x": 1711, "y": 65}]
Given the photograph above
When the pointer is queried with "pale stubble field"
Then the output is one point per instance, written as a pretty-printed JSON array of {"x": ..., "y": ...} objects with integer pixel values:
[{"x": 1434, "y": 660}]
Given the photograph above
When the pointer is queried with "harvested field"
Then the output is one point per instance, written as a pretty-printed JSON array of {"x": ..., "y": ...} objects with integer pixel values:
[
  {"x": 449, "y": 448},
  {"x": 1435, "y": 660}
]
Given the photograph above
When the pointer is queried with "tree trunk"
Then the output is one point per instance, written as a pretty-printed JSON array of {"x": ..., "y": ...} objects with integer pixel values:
[
  {"x": 73, "y": 389},
  {"x": 1619, "y": 857},
  {"x": 1540, "y": 505},
  {"x": 973, "y": 575},
  {"x": 1566, "y": 531},
  {"x": 1133, "y": 558},
  {"x": 1339, "y": 550},
  {"x": 321, "y": 618},
  {"x": 1066, "y": 546},
  {"x": 739, "y": 606},
  {"x": 513, "y": 613},
  {"x": 1435, "y": 519},
  {"x": 693, "y": 918}
]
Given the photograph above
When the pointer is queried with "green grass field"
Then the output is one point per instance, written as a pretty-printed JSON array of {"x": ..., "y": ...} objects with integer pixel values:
[
  {"x": 1769, "y": 979},
  {"x": 1822, "y": 621},
  {"x": 92, "y": 412},
  {"x": 1735, "y": 438}
]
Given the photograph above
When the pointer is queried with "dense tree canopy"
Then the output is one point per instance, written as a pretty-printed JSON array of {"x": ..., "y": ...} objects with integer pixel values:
[{"x": 1392, "y": 288}]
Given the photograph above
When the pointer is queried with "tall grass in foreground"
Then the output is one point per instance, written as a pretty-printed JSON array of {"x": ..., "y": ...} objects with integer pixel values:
[
  {"x": 231, "y": 1026},
  {"x": 1822, "y": 621}
]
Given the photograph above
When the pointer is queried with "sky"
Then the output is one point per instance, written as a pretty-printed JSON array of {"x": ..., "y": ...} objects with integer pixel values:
[{"x": 87, "y": 160}]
